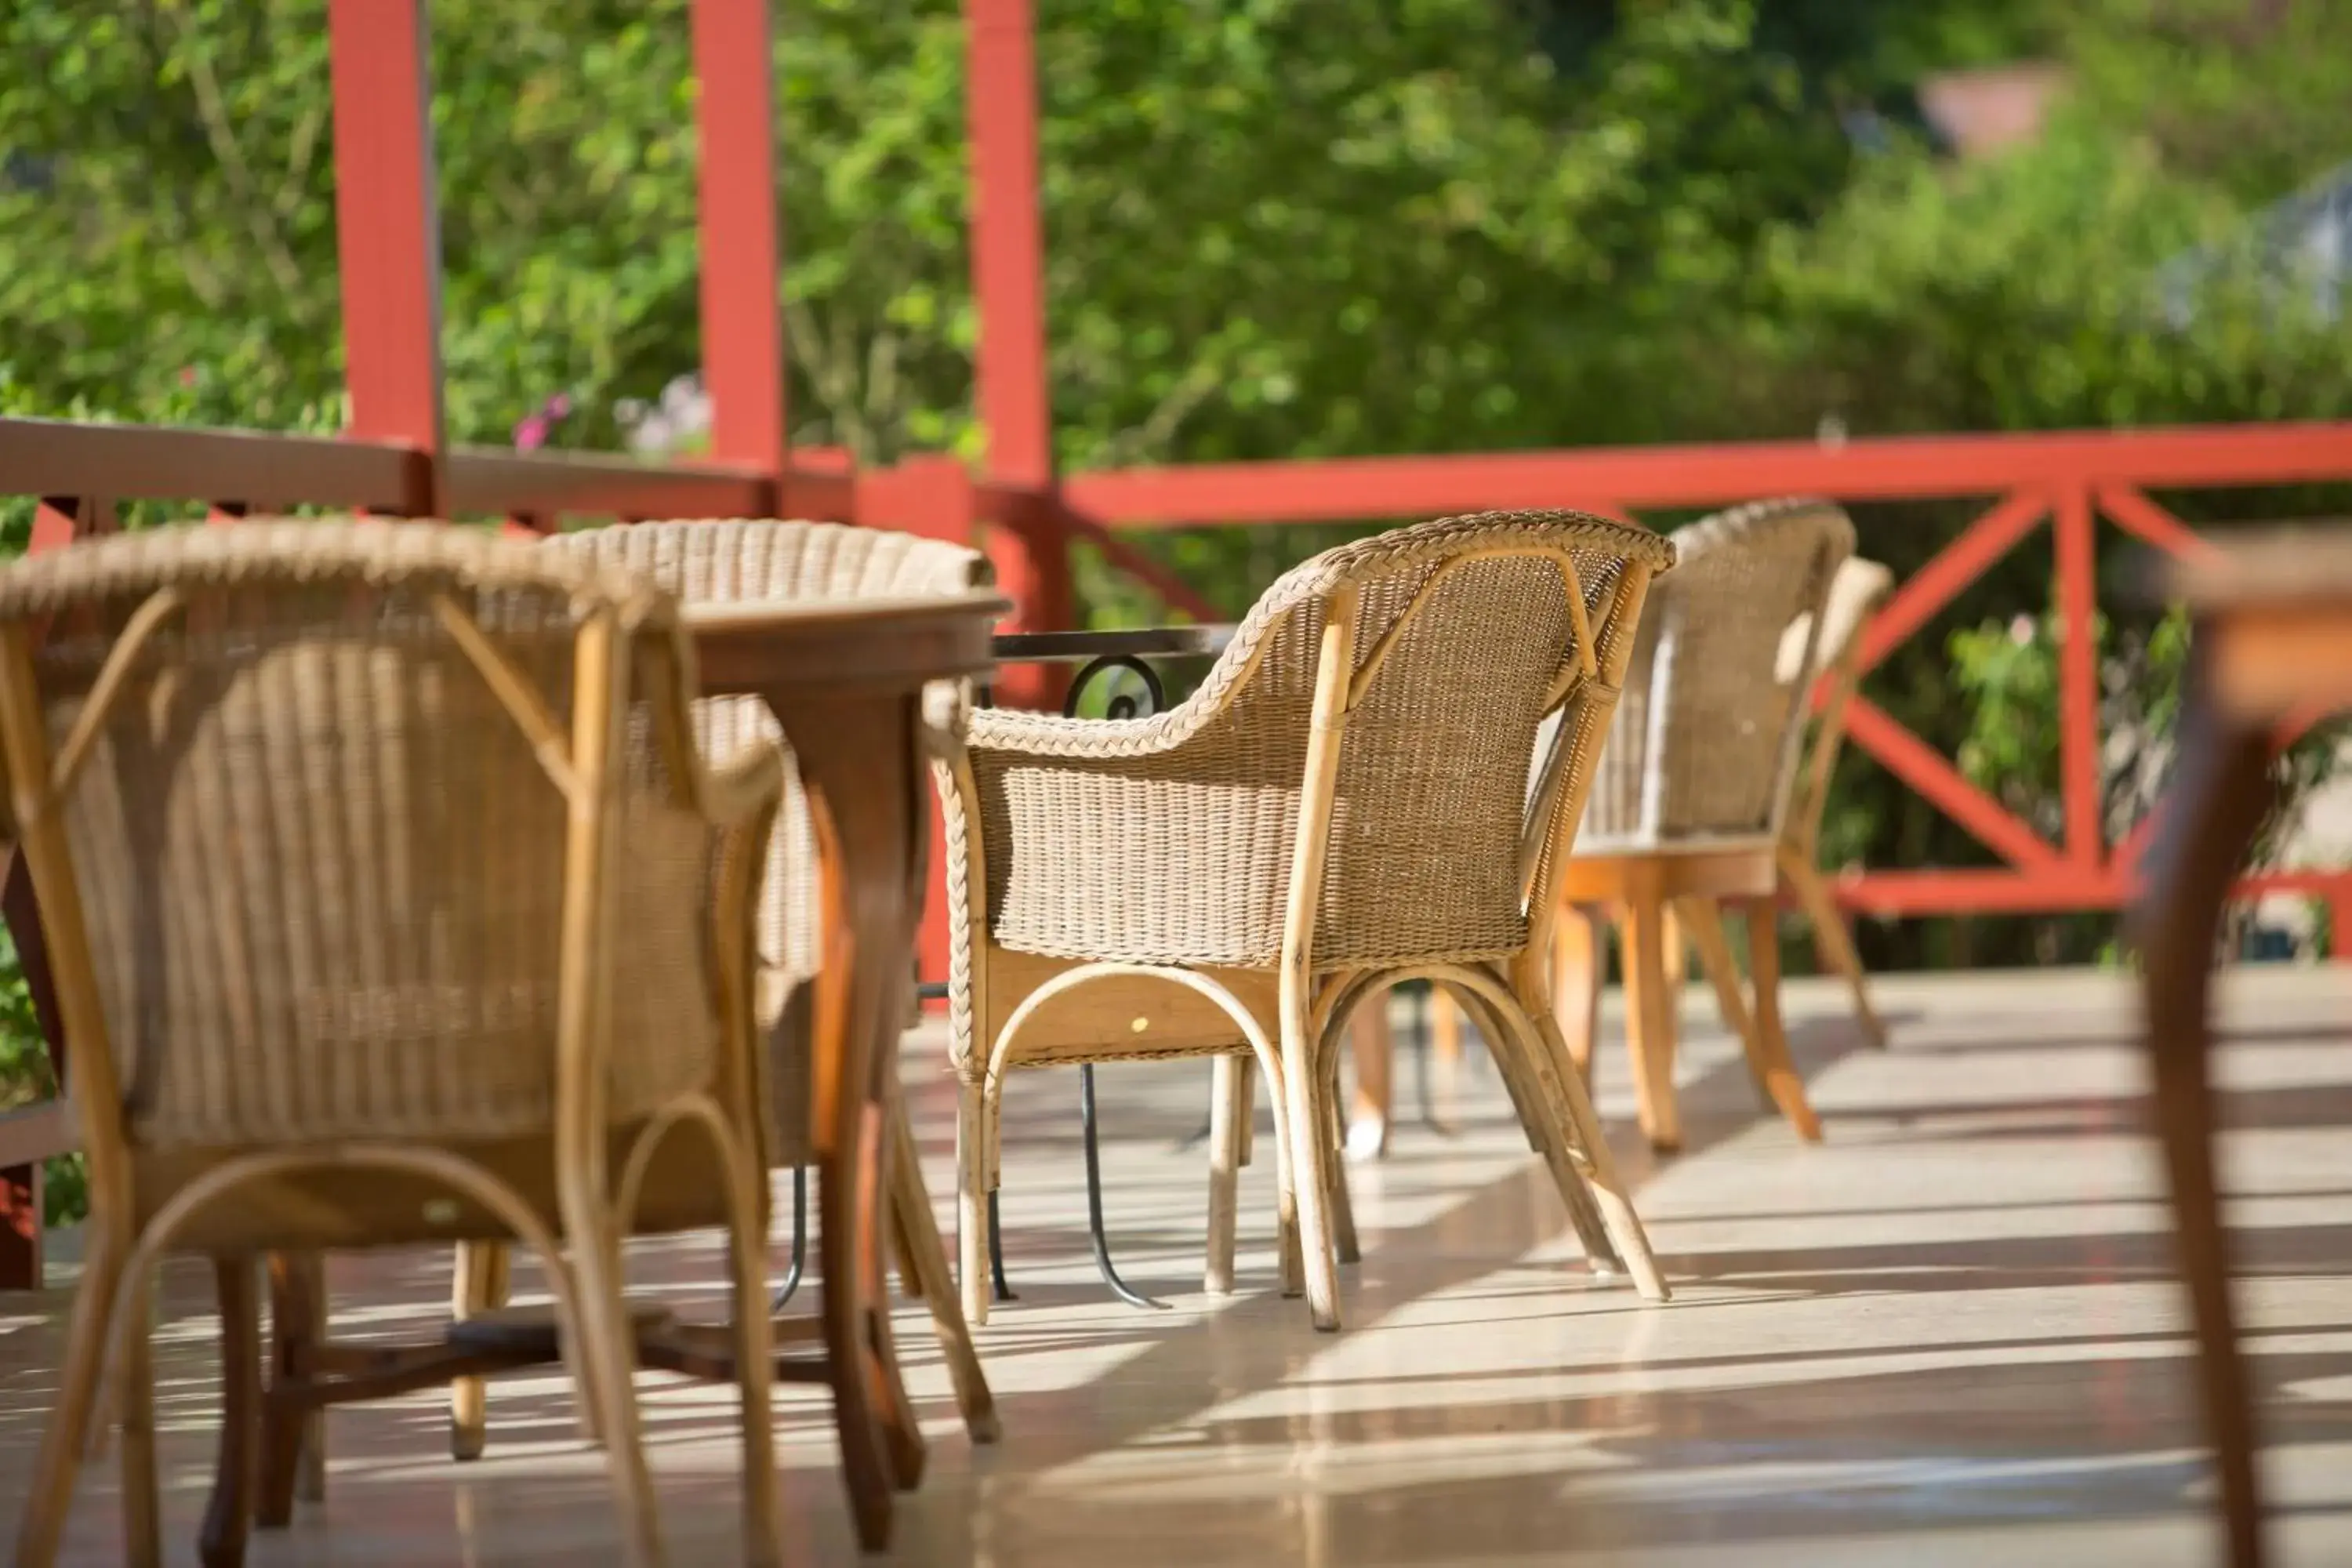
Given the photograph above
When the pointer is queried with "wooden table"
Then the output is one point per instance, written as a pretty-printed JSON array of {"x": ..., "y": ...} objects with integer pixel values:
[{"x": 2272, "y": 643}]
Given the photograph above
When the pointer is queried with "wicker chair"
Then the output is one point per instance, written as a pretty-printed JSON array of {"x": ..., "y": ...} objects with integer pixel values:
[
  {"x": 727, "y": 562},
  {"x": 332, "y": 828},
  {"x": 1693, "y": 790},
  {"x": 1855, "y": 594},
  {"x": 1342, "y": 804}
]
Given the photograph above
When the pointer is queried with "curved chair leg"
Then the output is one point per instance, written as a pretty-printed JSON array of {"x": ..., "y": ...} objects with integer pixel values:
[
  {"x": 755, "y": 1352},
  {"x": 50, "y": 1495},
  {"x": 1230, "y": 1109},
  {"x": 229, "y": 1516},
  {"x": 478, "y": 1284},
  {"x": 1310, "y": 1153},
  {"x": 1624, "y": 1225},
  {"x": 1830, "y": 938},
  {"x": 927, "y": 1257},
  {"x": 1703, "y": 922},
  {"x": 607, "y": 1350},
  {"x": 1289, "y": 1245},
  {"x": 1547, "y": 1132},
  {"x": 975, "y": 1226},
  {"x": 1335, "y": 1166},
  {"x": 1768, "y": 1047}
]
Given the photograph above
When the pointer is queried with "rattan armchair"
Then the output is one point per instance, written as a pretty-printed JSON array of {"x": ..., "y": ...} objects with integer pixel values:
[
  {"x": 332, "y": 828},
  {"x": 1692, "y": 795},
  {"x": 1343, "y": 803}
]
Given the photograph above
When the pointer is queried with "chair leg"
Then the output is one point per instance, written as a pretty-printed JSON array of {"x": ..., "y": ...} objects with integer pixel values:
[
  {"x": 311, "y": 1459},
  {"x": 1580, "y": 967},
  {"x": 292, "y": 1437},
  {"x": 50, "y": 1496},
  {"x": 478, "y": 1284},
  {"x": 1830, "y": 938},
  {"x": 1616, "y": 1205},
  {"x": 1549, "y": 1133},
  {"x": 1374, "y": 1045},
  {"x": 927, "y": 1257},
  {"x": 1289, "y": 1250},
  {"x": 1768, "y": 1047},
  {"x": 142, "y": 1526},
  {"x": 1650, "y": 996},
  {"x": 1229, "y": 1108},
  {"x": 229, "y": 1516},
  {"x": 755, "y": 1354},
  {"x": 1309, "y": 1150},
  {"x": 607, "y": 1356},
  {"x": 973, "y": 1184},
  {"x": 1335, "y": 1166},
  {"x": 1704, "y": 923},
  {"x": 1444, "y": 1061}
]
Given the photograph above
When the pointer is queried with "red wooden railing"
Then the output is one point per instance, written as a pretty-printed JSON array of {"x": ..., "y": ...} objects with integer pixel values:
[{"x": 396, "y": 458}]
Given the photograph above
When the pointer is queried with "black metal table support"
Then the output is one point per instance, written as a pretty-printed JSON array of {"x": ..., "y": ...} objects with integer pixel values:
[{"x": 799, "y": 1264}]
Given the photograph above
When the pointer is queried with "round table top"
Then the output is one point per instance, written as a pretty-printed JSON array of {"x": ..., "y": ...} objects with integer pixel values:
[{"x": 766, "y": 646}]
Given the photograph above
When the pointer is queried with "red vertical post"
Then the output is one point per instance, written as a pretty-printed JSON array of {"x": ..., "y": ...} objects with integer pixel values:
[
  {"x": 742, "y": 248},
  {"x": 1008, "y": 267},
  {"x": 388, "y": 235},
  {"x": 931, "y": 496},
  {"x": 2076, "y": 551},
  {"x": 58, "y": 521}
]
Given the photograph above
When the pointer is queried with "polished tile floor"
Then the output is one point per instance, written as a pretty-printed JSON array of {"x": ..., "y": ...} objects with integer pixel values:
[{"x": 1947, "y": 1336}]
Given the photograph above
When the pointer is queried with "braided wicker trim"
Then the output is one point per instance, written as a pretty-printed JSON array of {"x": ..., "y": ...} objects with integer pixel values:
[
  {"x": 1040, "y": 734},
  {"x": 323, "y": 550}
]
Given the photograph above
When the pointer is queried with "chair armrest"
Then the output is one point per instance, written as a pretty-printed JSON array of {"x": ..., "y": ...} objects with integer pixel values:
[{"x": 1029, "y": 734}]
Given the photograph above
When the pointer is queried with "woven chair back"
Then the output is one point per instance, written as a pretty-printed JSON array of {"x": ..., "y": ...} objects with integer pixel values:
[
  {"x": 321, "y": 858},
  {"x": 1704, "y": 744}
]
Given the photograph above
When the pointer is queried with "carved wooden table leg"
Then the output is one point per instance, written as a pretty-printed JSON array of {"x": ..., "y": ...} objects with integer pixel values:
[
  {"x": 863, "y": 784},
  {"x": 2220, "y": 798}
]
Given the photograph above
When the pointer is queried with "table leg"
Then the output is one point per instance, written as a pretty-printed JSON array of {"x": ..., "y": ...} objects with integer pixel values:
[
  {"x": 2220, "y": 797},
  {"x": 863, "y": 779}
]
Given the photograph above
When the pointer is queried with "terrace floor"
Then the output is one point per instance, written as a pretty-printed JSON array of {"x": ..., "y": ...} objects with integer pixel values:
[{"x": 1947, "y": 1336}]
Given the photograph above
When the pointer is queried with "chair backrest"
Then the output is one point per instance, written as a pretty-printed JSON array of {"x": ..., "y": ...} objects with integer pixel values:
[
  {"x": 1704, "y": 745},
  {"x": 295, "y": 799},
  {"x": 1465, "y": 633},
  {"x": 729, "y": 560},
  {"x": 1855, "y": 594}
]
